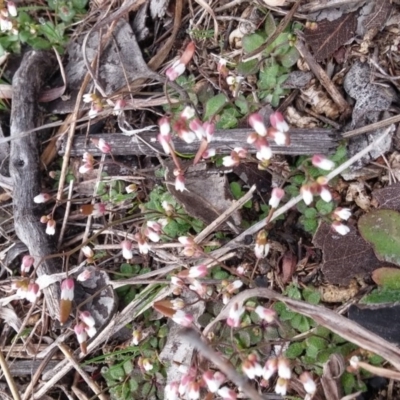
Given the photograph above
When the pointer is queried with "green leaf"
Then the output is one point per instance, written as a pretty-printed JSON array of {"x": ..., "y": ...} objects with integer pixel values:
[
  {"x": 227, "y": 119},
  {"x": 270, "y": 25},
  {"x": 310, "y": 225},
  {"x": 388, "y": 278},
  {"x": 290, "y": 58},
  {"x": 310, "y": 213},
  {"x": 214, "y": 106},
  {"x": 312, "y": 352},
  {"x": 247, "y": 67},
  {"x": 79, "y": 4},
  {"x": 242, "y": 104},
  {"x": 252, "y": 42},
  {"x": 39, "y": 43},
  {"x": 381, "y": 295},
  {"x": 294, "y": 350},
  {"x": 300, "y": 323},
  {"x": 220, "y": 274},
  {"x": 236, "y": 190},
  {"x": 268, "y": 77},
  {"x": 381, "y": 228},
  {"x": 293, "y": 292},
  {"x": 243, "y": 339},
  {"x": 292, "y": 190},
  {"x": 171, "y": 229},
  {"x": 311, "y": 296},
  {"x": 348, "y": 382},
  {"x": 340, "y": 154},
  {"x": 117, "y": 372},
  {"x": 317, "y": 342},
  {"x": 323, "y": 207}
]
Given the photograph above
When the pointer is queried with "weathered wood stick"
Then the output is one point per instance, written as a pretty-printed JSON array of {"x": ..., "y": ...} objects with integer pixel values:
[
  {"x": 303, "y": 141},
  {"x": 25, "y": 167}
]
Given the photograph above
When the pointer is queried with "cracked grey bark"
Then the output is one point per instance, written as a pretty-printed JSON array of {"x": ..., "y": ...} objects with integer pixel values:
[{"x": 24, "y": 167}]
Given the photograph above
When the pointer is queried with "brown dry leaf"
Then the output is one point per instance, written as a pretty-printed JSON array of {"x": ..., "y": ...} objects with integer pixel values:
[
  {"x": 330, "y": 380},
  {"x": 344, "y": 257},
  {"x": 335, "y": 294},
  {"x": 377, "y": 19},
  {"x": 330, "y": 35},
  {"x": 356, "y": 192},
  {"x": 388, "y": 197},
  {"x": 289, "y": 262},
  {"x": 294, "y": 118},
  {"x": 320, "y": 103}
]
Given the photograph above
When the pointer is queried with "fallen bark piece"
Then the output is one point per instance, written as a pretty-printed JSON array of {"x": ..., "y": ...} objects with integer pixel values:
[{"x": 303, "y": 141}]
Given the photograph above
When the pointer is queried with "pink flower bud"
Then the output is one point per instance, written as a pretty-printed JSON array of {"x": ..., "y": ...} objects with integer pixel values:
[
  {"x": 98, "y": 209},
  {"x": 264, "y": 152},
  {"x": 209, "y": 128},
  {"x": 87, "y": 251},
  {"x": 180, "y": 183},
  {"x": 209, "y": 153},
  {"x": 126, "y": 246},
  {"x": 325, "y": 193},
  {"x": 87, "y": 318},
  {"x": 256, "y": 121},
  {"x": 152, "y": 235},
  {"x": 164, "y": 125},
  {"x": 197, "y": 127},
  {"x": 199, "y": 271},
  {"x": 279, "y": 137},
  {"x": 193, "y": 392},
  {"x": 309, "y": 385},
  {"x": 182, "y": 318},
  {"x": 241, "y": 152},
  {"x": 231, "y": 161},
  {"x": 235, "y": 313},
  {"x": 12, "y": 9},
  {"x": 84, "y": 275},
  {"x": 102, "y": 145},
  {"x": 342, "y": 213},
  {"x": 227, "y": 394},
  {"x": 120, "y": 104},
  {"x": 51, "y": 227},
  {"x": 27, "y": 262},
  {"x": 67, "y": 289},
  {"x": 81, "y": 336},
  {"x": 235, "y": 285},
  {"x": 276, "y": 196},
  {"x": 33, "y": 292},
  {"x": 278, "y": 122},
  {"x": 251, "y": 367},
  {"x": 284, "y": 370},
  {"x": 171, "y": 391},
  {"x": 143, "y": 245},
  {"x": 322, "y": 162},
  {"x": 176, "y": 70},
  {"x": 270, "y": 368},
  {"x": 266, "y": 314},
  {"x": 41, "y": 198},
  {"x": 340, "y": 228},
  {"x": 307, "y": 194},
  {"x": 166, "y": 143},
  {"x": 85, "y": 168}
]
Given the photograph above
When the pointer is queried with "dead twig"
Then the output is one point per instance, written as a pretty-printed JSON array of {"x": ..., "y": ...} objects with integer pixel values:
[{"x": 9, "y": 378}]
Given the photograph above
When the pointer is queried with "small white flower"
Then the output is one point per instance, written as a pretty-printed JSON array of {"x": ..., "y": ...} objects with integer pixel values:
[
  {"x": 340, "y": 228},
  {"x": 322, "y": 162},
  {"x": 342, "y": 213}
]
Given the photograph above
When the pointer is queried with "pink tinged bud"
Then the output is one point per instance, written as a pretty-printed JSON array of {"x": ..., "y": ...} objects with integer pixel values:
[
  {"x": 279, "y": 137},
  {"x": 342, "y": 213},
  {"x": 155, "y": 226},
  {"x": 176, "y": 70},
  {"x": 340, "y": 228},
  {"x": 91, "y": 331},
  {"x": 187, "y": 136},
  {"x": 164, "y": 125},
  {"x": 126, "y": 246},
  {"x": 209, "y": 153},
  {"x": 266, "y": 314},
  {"x": 67, "y": 289},
  {"x": 89, "y": 97},
  {"x": 147, "y": 365},
  {"x": 51, "y": 227},
  {"x": 81, "y": 336},
  {"x": 171, "y": 391},
  {"x": 87, "y": 318},
  {"x": 252, "y": 138},
  {"x": 186, "y": 240},
  {"x": 102, "y": 145},
  {"x": 95, "y": 109},
  {"x": 284, "y": 370},
  {"x": 152, "y": 235},
  {"x": 193, "y": 392},
  {"x": 354, "y": 362},
  {"x": 177, "y": 304},
  {"x": 182, "y": 318},
  {"x": 199, "y": 288},
  {"x": 143, "y": 245},
  {"x": 256, "y": 121},
  {"x": 281, "y": 386},
  {"x": 120, "y": 104},
  {"x": 264, "y": 150},
  {"x": 197, "y": 127},
  {"x": 231, "y": 161},
  {"x": 67, "y": 295},
  {"x": 12, "y": 9},
  {"x": 325, "y": 193},
  {"x": 270, "y": 368},
  {"x": 84, "y": 276},
  {"x": 85, "y": 168},
  {"x": 278, "y": 122},
  {"x": 27, "y": 262},
  {"x": 180, "y": 183},
  {"x": 177, "y": 281},
  {"x": 241, "y": 152},
  {"x": 306, "y": 192},
  {"x": 98, "y": 209},
  {"x": 200, "y": 271},
  {"x": 41, "y": 198},
  {"x": 165, "y": 142},
  {"x": 136, "y": 337},
  {"x": 232, "y": 287},
  {"x": 235, "y": 313},
  {"x": 309, "y": 385},
  {"x": 213, "y": 380},
  {"x": 209, "y": 128},
  {"x": 251, "y": 367},
  {"x": 322, "y": 162},
  {"x": 188, "y": 113},
  {"x": 227, "y": 394},
  {"x": 33, "y": 292},
  {"x": 87, "y": 252},
  {"x": 276, "y": 196}
]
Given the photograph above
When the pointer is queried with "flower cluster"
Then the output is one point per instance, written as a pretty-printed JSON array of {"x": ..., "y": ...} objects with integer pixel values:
[
  {"x": 26, "y": 289},
  {"x": 6, "y": 18},
  {"x": 50, "y": 224},
  {"x": 179, "y": 66},
  {"x": 338, "y": 215}
]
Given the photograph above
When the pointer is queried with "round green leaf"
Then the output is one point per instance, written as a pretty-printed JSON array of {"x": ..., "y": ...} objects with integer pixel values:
[
  {"x": 381, "y": 228},
  {"x": 214, "y": 106},
  {"x": 294, "y": 350}
]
